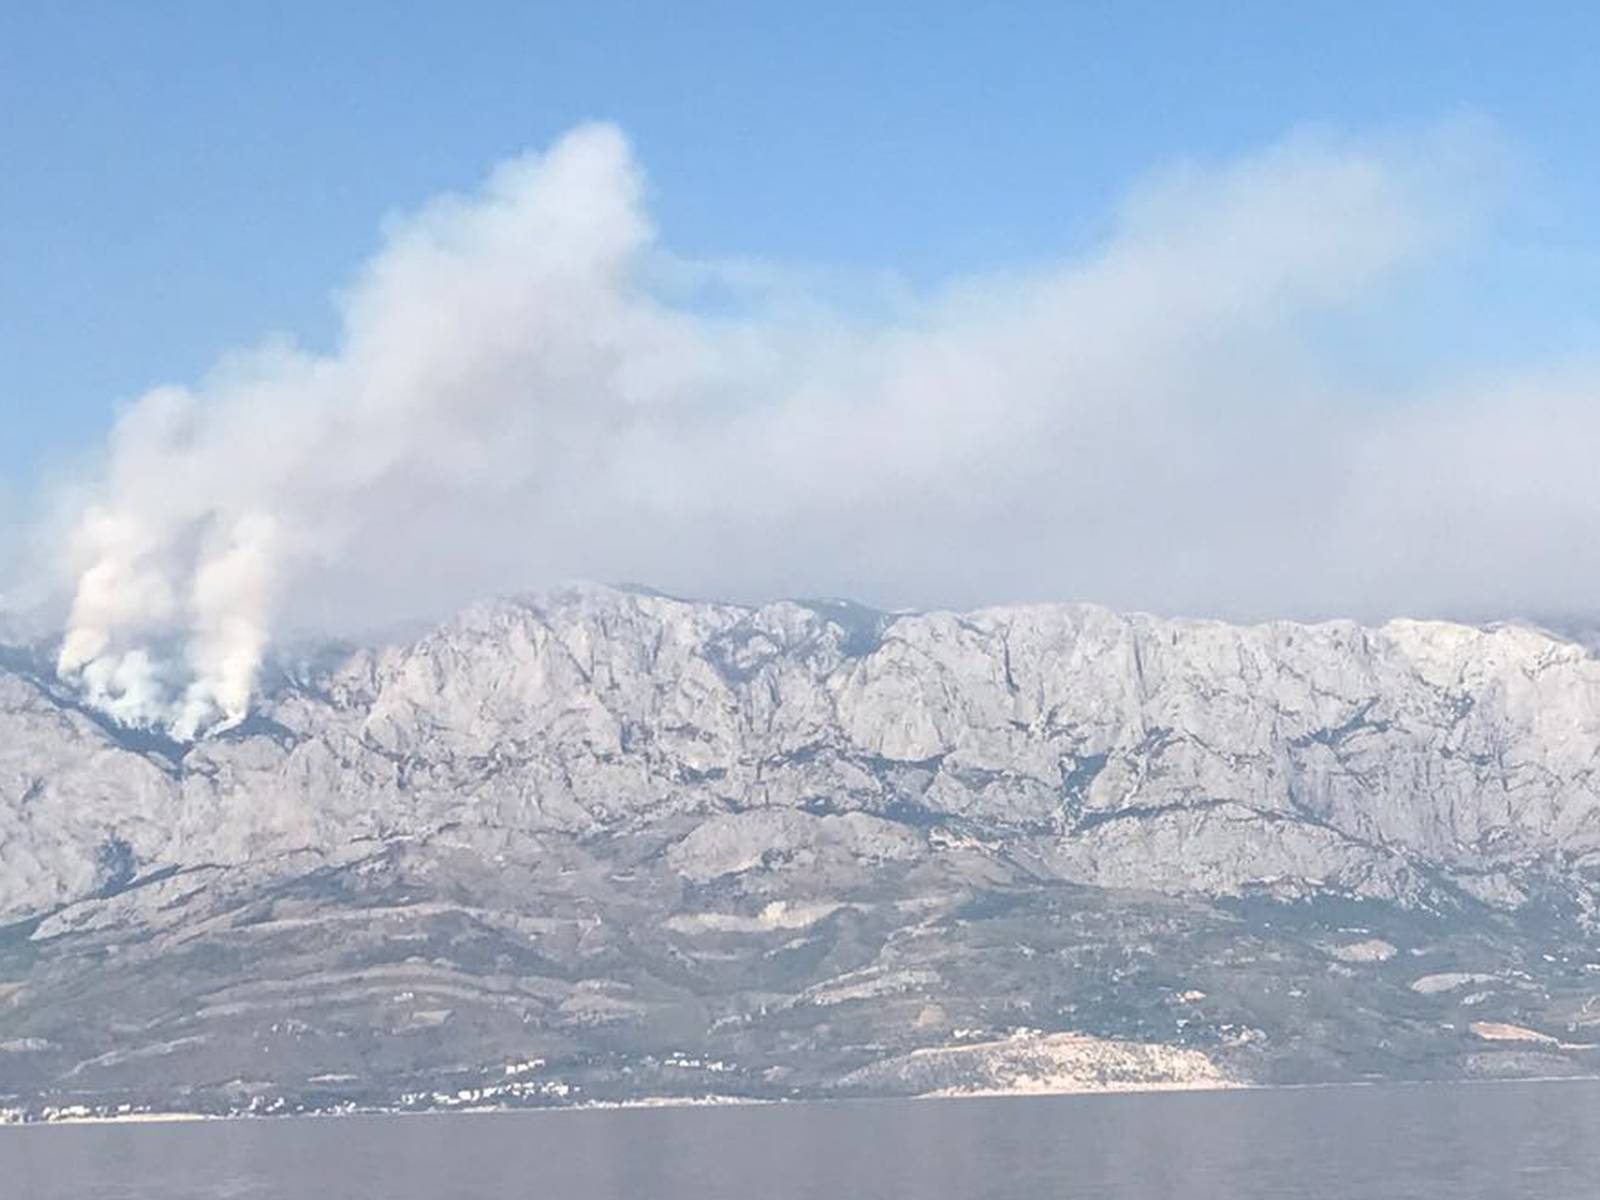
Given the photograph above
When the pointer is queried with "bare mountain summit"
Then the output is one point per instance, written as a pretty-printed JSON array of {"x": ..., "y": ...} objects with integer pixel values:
[{"x": 606, "y": 845}]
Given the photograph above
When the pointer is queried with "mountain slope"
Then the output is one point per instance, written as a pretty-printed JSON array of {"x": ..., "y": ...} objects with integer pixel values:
[{"x": 662, "y": 847}]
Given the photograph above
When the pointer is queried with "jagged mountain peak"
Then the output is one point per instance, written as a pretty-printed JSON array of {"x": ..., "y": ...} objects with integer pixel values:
[
  {"x": 595, "y": 793},
  {"x": 594, "y": 705}
]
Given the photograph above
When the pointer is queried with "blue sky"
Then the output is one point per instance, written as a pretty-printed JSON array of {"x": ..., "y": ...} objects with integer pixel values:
[{"x": 180, "y": 178}]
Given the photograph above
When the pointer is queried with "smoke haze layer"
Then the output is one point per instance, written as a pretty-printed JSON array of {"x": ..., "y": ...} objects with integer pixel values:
[{"x": 527, "y": 387}]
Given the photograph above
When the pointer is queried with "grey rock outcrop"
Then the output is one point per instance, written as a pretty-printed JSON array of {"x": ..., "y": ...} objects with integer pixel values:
[{"x": 599, "y": 751}]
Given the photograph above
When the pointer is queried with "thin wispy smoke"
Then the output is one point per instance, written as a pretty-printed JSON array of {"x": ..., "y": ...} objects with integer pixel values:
[{"x": 528, "y": 388}]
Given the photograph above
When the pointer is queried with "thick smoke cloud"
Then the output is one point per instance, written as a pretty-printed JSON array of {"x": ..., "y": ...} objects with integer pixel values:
[{"x": 527, "y": 388}]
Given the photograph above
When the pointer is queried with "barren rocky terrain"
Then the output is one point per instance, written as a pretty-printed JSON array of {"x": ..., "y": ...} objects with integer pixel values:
[{"x": 606, "y": 845}]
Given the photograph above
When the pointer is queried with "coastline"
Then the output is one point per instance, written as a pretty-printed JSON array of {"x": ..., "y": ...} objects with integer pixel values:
[{"x": 9, "y": 1119}]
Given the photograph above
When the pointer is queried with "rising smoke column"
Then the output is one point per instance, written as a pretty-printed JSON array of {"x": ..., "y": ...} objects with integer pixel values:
[{"x": 475, "y": 312}]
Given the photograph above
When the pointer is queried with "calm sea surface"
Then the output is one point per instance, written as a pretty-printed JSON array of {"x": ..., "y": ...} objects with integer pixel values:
[{"x": 1504, "y": 1140}]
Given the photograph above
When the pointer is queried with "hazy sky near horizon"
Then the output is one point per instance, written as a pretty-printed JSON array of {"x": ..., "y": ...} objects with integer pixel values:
[{"x": 1245, "y": 309}]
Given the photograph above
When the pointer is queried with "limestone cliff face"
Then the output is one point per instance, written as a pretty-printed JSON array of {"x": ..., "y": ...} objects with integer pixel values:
[
  {"x": 607, "y": 845},
  {"x": 1116, "y": 751}
]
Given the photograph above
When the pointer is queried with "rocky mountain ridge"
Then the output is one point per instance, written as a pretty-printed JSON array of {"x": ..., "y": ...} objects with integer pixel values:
[{"x": 763, "y": 795}]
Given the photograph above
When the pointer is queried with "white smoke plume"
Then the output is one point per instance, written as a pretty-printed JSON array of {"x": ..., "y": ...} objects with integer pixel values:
[
  {"x": 213, "y": 498},
  {"x": 527, "y": 388}
]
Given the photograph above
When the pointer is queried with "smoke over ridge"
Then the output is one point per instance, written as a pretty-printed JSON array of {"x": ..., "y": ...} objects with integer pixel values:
[{"x": 526, "y": 387}]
